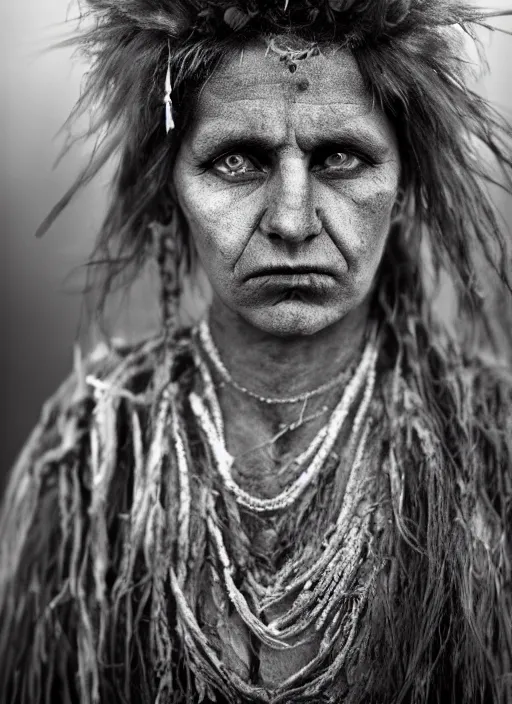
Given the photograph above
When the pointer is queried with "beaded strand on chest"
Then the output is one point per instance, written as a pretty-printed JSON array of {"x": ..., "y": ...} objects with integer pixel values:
[{"x": 316, "y": 585}]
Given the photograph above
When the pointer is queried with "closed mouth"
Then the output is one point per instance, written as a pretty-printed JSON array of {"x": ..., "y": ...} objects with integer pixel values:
[{"x": 290, "y": 271}]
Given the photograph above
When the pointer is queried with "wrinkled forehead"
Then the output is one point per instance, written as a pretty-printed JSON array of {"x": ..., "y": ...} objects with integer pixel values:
[
  {"x": 258, "y": 72},
  {"x": 256, "y": 91}
]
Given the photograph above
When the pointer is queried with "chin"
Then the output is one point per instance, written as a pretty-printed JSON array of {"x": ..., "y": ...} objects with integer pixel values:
[{"x": 294, "y": 318}]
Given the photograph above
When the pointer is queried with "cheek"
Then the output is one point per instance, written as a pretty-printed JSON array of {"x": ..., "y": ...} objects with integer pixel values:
[
  {"x": 219, "y": 219},
  {"x": 358, "y": 221}
]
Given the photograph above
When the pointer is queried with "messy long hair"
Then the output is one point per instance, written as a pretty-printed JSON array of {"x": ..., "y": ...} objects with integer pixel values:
[
  {"x": 444, "y": 633},
  {"x": 455, "y": 147}
]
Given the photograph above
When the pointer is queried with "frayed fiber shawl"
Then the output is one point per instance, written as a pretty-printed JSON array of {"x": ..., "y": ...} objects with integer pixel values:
[{"x": 92, "y": 538}]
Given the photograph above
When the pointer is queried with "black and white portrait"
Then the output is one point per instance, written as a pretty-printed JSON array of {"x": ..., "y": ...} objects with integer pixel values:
[{"x": 258, "y": 430}]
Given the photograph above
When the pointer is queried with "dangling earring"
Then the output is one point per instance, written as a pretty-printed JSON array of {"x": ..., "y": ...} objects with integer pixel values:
[{"x": 169, "y": 122}]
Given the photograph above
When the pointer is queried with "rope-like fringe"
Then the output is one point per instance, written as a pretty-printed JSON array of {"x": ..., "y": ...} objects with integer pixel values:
[{"x": 105, "y": 544}]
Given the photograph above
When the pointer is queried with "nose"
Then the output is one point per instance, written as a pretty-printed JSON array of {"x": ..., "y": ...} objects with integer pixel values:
[{"x": 290, "y": 212}]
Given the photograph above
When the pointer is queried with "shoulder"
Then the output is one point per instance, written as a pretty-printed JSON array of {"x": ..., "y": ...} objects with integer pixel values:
[
  {"x": 83, "y": 424},
  {"x": 472, "y": 407},
  {"x": 470, "y": 389},
  {"x": 454, "y": 413},
  {"x": 474, "y": 391},
  {"x": 483, "y": 383},
  {"x": 67, "y": 416},
  {"x": 65, "y": 513}
]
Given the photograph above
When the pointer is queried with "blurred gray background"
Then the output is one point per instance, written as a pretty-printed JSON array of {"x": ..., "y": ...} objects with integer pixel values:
[{"x": 40, "y": 303}]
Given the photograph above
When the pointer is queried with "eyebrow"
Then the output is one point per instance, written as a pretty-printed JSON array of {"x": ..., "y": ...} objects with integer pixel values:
[{"x": 219, "y": 140}]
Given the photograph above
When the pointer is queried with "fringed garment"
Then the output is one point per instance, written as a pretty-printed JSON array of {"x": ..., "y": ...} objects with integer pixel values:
[{"x": 129, "y": 572}]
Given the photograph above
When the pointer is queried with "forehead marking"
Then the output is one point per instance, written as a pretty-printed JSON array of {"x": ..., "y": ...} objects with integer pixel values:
[{"x": 302, "y": 85}]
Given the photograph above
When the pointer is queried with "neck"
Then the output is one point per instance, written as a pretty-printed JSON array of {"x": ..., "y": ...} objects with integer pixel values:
[{"x": 283, "y": 367}]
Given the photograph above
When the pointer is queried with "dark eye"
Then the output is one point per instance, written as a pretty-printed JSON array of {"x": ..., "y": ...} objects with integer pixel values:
[
  {"x": 234, "y": 165},
  {"x": 342, "y": 161}
]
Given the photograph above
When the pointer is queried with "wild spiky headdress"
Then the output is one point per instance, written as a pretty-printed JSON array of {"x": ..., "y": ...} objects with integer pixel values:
[{"x": 411, "y": 55}]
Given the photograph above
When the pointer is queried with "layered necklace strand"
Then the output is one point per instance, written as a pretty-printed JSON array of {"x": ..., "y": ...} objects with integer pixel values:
[
  {"x": 320, "y": 585},
  {"x": 319, "y": 448},
  {"x": 214, "y": 356}
]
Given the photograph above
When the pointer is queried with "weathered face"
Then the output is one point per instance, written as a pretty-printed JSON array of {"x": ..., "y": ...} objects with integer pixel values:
[{"x": 287, "y": 182}]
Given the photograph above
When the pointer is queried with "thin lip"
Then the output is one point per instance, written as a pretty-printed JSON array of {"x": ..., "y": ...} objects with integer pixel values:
[{"x": 290, "y": 271}]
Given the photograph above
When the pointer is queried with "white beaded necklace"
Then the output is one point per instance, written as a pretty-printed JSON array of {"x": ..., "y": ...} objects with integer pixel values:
[
  {"x": 213, "y": 353},
  {"x": 210, "y": 421},
  {"x": 329, "y": 588}
]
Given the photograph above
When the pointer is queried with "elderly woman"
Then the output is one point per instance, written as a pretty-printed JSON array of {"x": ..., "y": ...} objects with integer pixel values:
[{"x": 306, "y": 497}]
